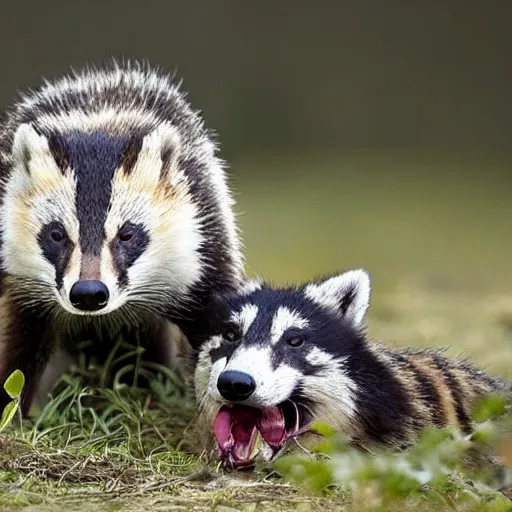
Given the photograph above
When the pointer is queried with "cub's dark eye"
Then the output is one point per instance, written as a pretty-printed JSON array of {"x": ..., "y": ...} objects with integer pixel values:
[
  {"x": 295, "y": 342},
  {"x": 125, "y": 236},
  {"x": 57, "y": 235},
  {"x": 231, "y": 334}
]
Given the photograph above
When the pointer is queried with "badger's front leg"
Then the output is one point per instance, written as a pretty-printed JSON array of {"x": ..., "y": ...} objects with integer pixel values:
[{"x": 26, "y": 345}]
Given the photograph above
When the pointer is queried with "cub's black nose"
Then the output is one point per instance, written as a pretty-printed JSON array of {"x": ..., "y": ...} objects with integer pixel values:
[
  {"x": 235, "y": 386},
  {"x": 89, "y": 295}
]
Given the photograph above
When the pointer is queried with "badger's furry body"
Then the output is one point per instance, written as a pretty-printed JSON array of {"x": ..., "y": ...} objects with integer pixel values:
[
  {"x": 283, "y": 357},
  {"x": 114, "y": 214}
]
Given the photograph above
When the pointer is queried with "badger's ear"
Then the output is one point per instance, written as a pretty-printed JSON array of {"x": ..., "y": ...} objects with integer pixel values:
[
  {"x": 158, "y": 155},
  {"x": 33, "y": 161},
  {"x": 348, "y": 294},
  {"x": 250, "y": 285}
]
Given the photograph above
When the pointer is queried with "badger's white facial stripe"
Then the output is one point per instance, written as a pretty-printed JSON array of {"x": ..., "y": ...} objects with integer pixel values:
[
  {"x": 36, "y": 194},
  {"x": 273, "y": 386},
  {"x": 148, "y": 167},
  {"x": 245, "y": 317},
  {"x": 283, "y": 320},
  {"x": 167, "y": 212},
  {"x": 351, "y": 290}
]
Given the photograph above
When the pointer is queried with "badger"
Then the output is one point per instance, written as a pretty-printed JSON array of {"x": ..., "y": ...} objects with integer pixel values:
[
  {"x": 115, "y": 217},
  {"x": 281, "y": 358}
]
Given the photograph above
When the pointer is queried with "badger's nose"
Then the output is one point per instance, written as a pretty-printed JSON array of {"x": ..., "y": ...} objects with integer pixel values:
[
  {"x": 89, "y": 295},
  {"x": 235, "y": 386}
]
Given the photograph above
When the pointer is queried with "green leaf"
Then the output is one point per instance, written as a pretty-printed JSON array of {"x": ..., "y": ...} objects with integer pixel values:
[
  {"x": 323, "y": 429},
  {"x": 14, "y": 384},
  {"x": 489, "y": 407},
  {"x": 8, "y": 414}
]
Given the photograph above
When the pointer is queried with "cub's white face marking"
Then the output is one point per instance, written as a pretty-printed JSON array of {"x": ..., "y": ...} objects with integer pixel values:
[
  {"x": 332, "y": 392},
  {"x": 332, "y": 291},
  {"x": 204, "y": 371},
  {"x": 318, "y": 357},
  {"x": 245, "y": 317},
  {"x": 216, "y": 369},
  {"x": 331, "y": 389},
  {"x": 283, "y": 320},
  {"x": 272, "y": 386}
]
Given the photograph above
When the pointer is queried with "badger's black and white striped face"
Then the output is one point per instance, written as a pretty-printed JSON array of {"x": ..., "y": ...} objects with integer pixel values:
[
  {"x": 113, "y": 197},
  {"x": 281, "y": 358},
  {"x": 88, "y": 215}
]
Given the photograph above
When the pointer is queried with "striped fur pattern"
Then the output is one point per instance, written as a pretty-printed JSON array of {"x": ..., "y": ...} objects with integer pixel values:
[
  {"x": 109, "y": 179},
  {"x": 306, "y": 351}
]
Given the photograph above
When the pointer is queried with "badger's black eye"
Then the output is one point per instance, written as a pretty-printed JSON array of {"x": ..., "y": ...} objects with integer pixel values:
[
  {"x": 295, "y": 342},
  {"x": 231, "y": 334},
  {"x": 57, "y": 235},
  {"x": 125, "y": 237},
  {"x": 127, "y": 247}
]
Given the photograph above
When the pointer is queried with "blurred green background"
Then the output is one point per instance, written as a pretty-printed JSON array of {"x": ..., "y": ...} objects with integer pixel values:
[{"x": 358, "y": 134}]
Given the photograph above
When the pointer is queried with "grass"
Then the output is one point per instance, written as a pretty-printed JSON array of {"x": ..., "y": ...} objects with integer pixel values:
[{"x": 434, "y": 234}]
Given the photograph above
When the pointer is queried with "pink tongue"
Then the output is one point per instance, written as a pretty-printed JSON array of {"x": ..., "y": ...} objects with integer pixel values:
[
  {"x": 222, "y": 430},
  {"x": 235, "y": 430},
  {"x": 271, "y": 426}
]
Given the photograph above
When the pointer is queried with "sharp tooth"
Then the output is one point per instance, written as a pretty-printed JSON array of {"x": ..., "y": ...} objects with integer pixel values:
[
  {"x": 297, "y": 417},
  {"x": 257, "y": 445},
  {"x": 266, "y": 451}
]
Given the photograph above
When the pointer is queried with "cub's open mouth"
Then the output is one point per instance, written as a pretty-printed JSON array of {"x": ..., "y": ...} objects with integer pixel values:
[{"x": 236, "y": 429}]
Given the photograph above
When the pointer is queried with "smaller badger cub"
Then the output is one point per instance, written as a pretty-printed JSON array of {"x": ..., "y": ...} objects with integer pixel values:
[{"x": 281, "y": 358}]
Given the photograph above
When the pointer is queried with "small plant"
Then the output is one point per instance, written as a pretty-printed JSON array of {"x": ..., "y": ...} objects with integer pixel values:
[
  {"x": 14, "y": 387},
  {"x": 437, "y": 467}
]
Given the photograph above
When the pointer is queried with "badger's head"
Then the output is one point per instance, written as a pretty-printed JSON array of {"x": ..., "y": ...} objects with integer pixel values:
[
  {"x": 281, "y": 358},
  {"x": 98, "y": 221}
]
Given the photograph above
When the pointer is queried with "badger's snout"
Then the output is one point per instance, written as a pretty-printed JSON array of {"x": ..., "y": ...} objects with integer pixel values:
[
  {"x": 89, "y": 295},
  {"x": 235, "y": 386}
]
